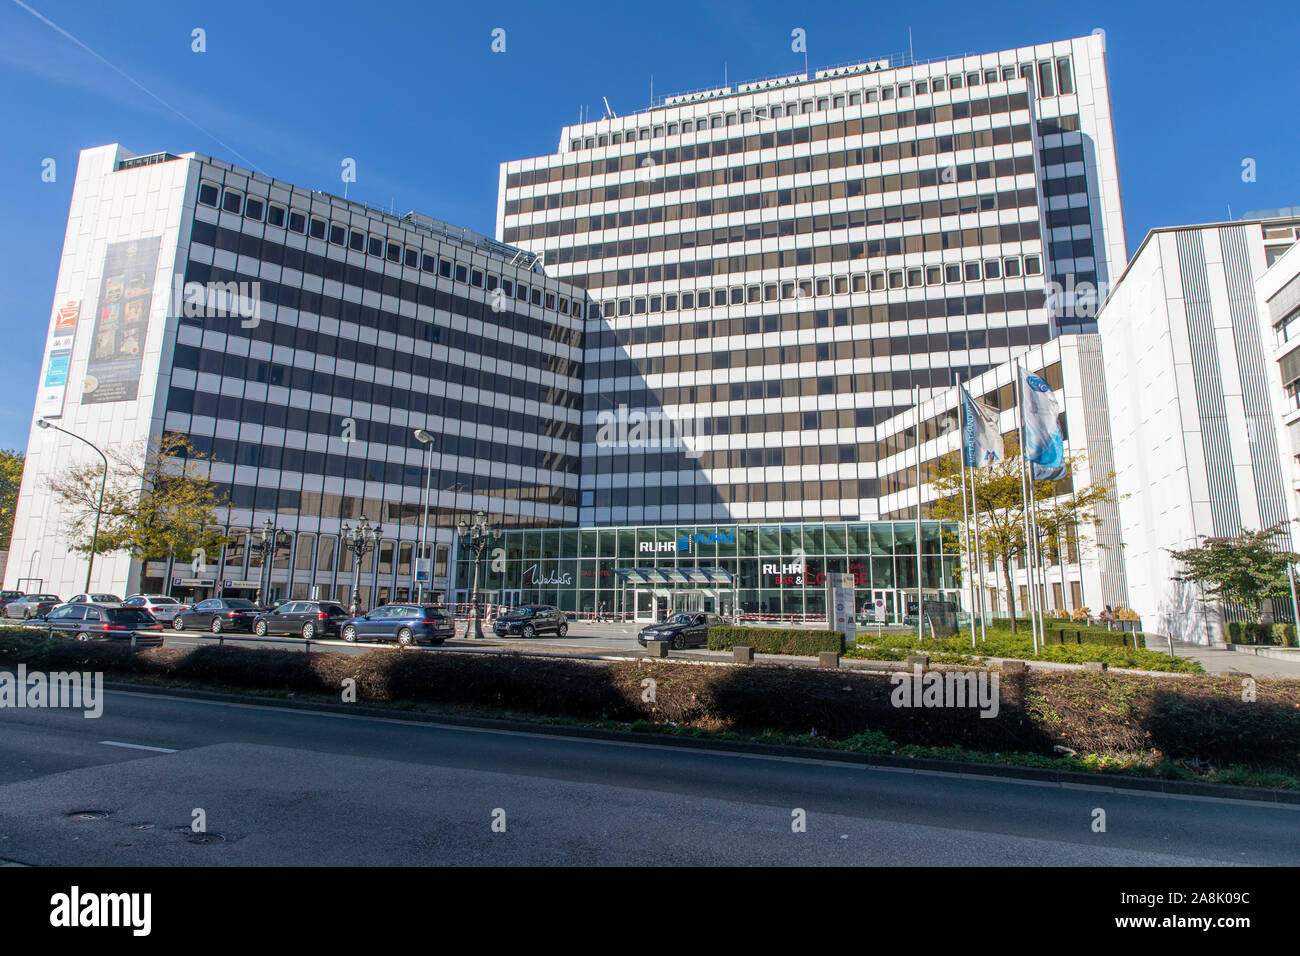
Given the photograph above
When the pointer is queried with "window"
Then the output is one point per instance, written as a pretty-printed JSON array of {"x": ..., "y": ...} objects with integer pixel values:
[
  {"x": 952, "y": 273},
  {"x": 254, "y": 209},
  {"x": 275, "y": 215},
  {"x": 317, "y": 228},
  {"x": 338, "y": 235},
  {"x": 394, "y": 252},
  {"x": 232, "y": 201},
  {"x": 1064, "y": 82},
  {"x": 357, "y": 241},
  {"x": 412, "y": 258},
  {"x": 375, "y": 247},
  {"x": 1033, "y": 266},
  {"x": 972, "y": 271},
  {"x": 992, "y": 269},
  {"x": 1011, "y": 268},
  {"x": 1046, "y": 84},
  {"x": 208, "y": 194}
]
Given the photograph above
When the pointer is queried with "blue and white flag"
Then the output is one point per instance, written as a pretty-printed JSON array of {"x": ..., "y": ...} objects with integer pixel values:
[
  {"x": 1044, "y": 445},
  {"x": 982, "y": 438}
]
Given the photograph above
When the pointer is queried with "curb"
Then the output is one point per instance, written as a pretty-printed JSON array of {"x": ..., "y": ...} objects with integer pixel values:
[{"x": 989, "y": 770}]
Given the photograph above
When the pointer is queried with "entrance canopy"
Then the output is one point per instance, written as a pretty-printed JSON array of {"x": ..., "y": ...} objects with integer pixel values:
[{"x": 674, "y": 575}]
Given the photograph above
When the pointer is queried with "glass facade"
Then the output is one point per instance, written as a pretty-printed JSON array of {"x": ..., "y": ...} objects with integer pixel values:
[{"x": 776, "y": 569}]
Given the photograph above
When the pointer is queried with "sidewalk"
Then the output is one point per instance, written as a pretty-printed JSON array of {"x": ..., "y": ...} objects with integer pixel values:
[{"x": 1224, "y": 660}]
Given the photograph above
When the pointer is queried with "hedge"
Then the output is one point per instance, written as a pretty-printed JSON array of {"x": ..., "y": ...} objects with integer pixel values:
[
  {"x": 1093, "y": 635},
  {"x": 772, "y": 640},
  {"x": 1246, "y": 632}
]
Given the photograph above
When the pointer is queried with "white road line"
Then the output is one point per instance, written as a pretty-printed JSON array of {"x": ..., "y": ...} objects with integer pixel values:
[{"x": 118, "y": 743}]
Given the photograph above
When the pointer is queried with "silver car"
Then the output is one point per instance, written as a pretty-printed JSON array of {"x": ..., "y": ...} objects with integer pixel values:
[
  {"x": 160, "y": 606},
  {"x": 103, "y": 600}
]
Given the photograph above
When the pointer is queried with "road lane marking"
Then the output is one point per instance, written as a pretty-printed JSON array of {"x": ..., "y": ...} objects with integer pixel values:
[{"x": 118, "y": 743}]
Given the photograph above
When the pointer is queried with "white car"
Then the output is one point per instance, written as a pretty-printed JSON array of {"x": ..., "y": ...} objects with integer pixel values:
[
  {"x": 104, "y": 600},
  {"x": 160, "y": 606}
]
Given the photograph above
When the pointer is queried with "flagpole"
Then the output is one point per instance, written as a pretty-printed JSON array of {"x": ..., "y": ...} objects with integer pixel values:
[
  {"x": 965, "y": 516},
  {"x": 1025, "y": 492},
  {"x": 920, "y": 597}
]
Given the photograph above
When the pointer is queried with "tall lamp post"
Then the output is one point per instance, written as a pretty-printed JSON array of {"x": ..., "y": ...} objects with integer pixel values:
[
  {"x": 94, "y": 540},
  {"x": 426, "y": 439},
  {"x": 266, "y": 543},
  {"x": 477, "y": 536},
  {"x": 360, "y": 540}
]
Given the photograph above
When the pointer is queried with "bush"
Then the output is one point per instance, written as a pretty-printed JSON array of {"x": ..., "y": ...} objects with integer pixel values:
[
  {"x": 1092, "y": 635},
  {"x": 1246, "y": 632},
  {"x": 771, "y": 640}
]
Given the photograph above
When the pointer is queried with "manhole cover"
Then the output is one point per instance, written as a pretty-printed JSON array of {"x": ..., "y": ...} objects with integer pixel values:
[{"x": 87, "y": 814}]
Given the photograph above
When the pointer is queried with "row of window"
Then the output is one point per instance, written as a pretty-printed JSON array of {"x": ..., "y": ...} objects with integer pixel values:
[
  {"x": 1054, "y": 78},
  {"x": 378, "y": 247},
  {"x": 1010, "y": 267}
]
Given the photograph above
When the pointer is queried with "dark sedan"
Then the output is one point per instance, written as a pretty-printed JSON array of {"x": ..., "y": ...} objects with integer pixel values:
[
  {"x": 217, "y": 615},
  {"x": 681, "y": 630},
  {"x": 91, "y": 622},
  {"x": 404, "y": 623},
  {"x": 308, "y": 619},
  {"x": 531, "y": 621},
  {"x": 32, "y": 605}
]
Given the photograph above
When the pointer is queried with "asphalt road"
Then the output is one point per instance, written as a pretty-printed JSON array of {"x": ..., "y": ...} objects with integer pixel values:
[{"x": 280, "y": 786}]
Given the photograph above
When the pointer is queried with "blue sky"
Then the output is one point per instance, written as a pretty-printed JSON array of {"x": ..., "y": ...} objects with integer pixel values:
[{"x": 413, "y": 92}]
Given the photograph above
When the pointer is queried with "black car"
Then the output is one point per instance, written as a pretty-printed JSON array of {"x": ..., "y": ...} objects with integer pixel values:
[
  {"x": 681, "y": 630},
  {"x": 404, "y": 623},
  {"x": 92, "y": 622},
  {"x": 308, "y": 619},
  {"x": 217, "y": 615},
  {"x": 7, "y": 596},
  {"x": 532, "y": 620}
]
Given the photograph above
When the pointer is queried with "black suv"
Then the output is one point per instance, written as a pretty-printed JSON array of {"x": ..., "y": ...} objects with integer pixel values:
[
  {"x": 681, "y": 630},
  {"x": 310, "y": 619},
  {"x": 93, "y": 622},
  {"x": 532, "y": 620}
]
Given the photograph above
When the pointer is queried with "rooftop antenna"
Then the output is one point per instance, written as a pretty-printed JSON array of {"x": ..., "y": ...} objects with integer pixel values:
[
  {"x": 609, "y": 110},
  {"x": 910, "y": 57},
  {"x": 724, "y": 72}
]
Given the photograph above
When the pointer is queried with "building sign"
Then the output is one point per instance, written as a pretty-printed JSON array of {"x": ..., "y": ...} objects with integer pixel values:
[
  {"x": 423, "y": 570},
  {"x": 533, "y": 578},
  {"x": 54, "y": 383},
  {"x": 194, "y": 582},
  {"x": 121, "y": 322},
  {"x": 683, "y": 544}
]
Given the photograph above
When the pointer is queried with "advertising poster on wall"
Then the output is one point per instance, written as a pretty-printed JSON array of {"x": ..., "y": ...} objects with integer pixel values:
[
  {"x": 121, "y": 322},
  {"x": 54, "y": 383}
]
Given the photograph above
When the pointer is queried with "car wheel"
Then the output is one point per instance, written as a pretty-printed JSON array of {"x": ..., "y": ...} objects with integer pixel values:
[
  {"x": 178, "y": 624},
  {"x": 530, "y": 631},
  {"x": 27, "y": 615},
  {"x": 562, "y": 630},
  {"x": 308, "y": 631},
  {"x": 350, "y": 634},
  {"x": 405, "y": 637},
  {"x": 679, "y": 642},
  {"x": 260, "y": 629},
  {"x": 216, "y": 625},
  {"x": 83, "y": 636}
]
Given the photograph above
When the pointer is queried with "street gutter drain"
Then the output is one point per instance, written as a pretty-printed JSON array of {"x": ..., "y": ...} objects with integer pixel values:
[{"x": 87, "y": 814}]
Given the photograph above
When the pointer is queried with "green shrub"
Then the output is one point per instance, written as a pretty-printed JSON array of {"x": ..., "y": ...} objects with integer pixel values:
[
  {"x": 772, "y": 640},
  {"x": 1081, "y": 634},
  {"x": 1280, "y": 634}
]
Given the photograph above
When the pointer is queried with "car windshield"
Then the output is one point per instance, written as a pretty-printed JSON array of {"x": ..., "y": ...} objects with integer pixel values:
[
  {"x": 46, "y": 597},
  {"x": 521, "y": 611},
  {"x": 239, "y": 604},
  {"x": 161, "y": 600},
  {"x": 682, "y": 619},
  {"x": 105, "y": 597}
]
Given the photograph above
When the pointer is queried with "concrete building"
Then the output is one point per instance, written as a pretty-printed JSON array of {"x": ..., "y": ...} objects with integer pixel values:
[
  {"x": 299, "y": 340},
  {"x": 1194, "y": 396}
]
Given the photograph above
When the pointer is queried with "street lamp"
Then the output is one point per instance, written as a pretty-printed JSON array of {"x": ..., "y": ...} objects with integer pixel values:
[
  {"x": 94, "y": 540},
  {"x": 477, "y": 537},
  {"x": 266, "y": 542},
  {"x": 360, "y": 541},
  {"x": 424, "y": 438}
]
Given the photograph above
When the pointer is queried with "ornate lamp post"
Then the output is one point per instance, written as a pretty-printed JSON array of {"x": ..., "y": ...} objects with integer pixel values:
[
  {"x": 424, "y": 438},
  {"x": 360, "y": 540},
  {"x": 478, "y": 537},
  {"x": 266, "y": 543}
]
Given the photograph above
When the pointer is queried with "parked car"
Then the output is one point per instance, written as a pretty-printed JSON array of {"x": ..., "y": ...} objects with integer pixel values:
[
  {"x": 103, "y": 599},
  {"x": 310, "y": 619},
  {"x": 217, "y": 615},
  {"x": 32, "y": 605},
  {"x": 97, "y": 622},
  {"x": 405, "y": 623},
  {"x": 7, "y": 596},
  {"x": 160, "y": 606},
  {"x": 532, "y": 620},
  {"x": 681, "y": 630}
]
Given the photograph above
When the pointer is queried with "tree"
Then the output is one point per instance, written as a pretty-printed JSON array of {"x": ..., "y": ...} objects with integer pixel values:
[
  {"x": 1243, "y": 569},
  {"x": 11, "y": 476},
  {"x": 1000, "y": 504},
  {"x": 158, "y": 502}
]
